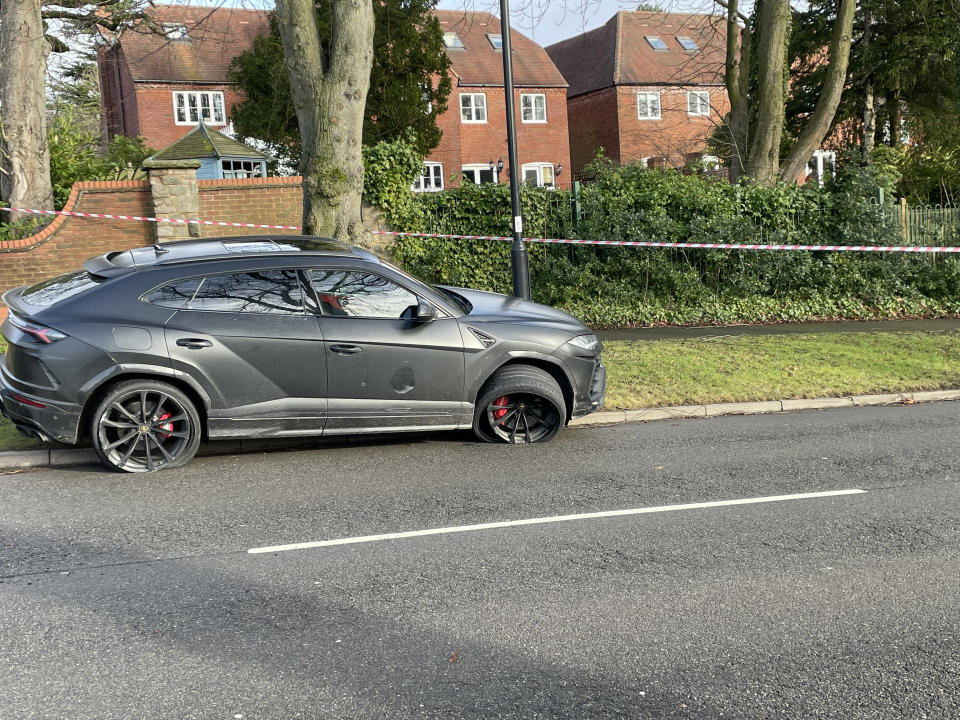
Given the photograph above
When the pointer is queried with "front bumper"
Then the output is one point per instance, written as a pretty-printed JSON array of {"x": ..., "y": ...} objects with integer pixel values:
[
  {"x": 589, "y": 384},
  {"x": 56, "y": 420}
]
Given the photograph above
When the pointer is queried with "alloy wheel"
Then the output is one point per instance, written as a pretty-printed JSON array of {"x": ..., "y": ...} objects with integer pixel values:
[
  {"x": 145, "y": 430},
  {"x": 522, "y": 417}
]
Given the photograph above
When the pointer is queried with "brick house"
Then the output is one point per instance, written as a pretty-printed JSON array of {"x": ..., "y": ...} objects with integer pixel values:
[
  {"x": 161, "y": 88},
  {"x": 474, "y": 126},
  {"x": 646, "y": 86}
]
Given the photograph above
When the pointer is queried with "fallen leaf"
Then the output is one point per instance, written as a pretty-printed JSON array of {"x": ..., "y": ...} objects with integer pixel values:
[{"x": 453, "y": 657}]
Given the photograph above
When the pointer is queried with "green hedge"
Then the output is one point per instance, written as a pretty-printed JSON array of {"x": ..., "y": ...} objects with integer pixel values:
[{"x": 608, "y": 286}]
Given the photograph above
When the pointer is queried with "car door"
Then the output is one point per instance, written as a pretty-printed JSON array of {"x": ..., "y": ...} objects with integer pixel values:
[
  {"x": 385, "y": 370},
  {"x": 250, "y": 343}
]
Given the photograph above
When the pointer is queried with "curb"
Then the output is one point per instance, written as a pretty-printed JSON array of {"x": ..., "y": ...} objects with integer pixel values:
[
  {"x": 760, "y": 407},
  {"x": 82, "y": 456}
]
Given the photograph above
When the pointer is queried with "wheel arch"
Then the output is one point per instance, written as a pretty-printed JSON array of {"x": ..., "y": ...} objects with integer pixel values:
[
  {"x": 553, "y": 368},
  {"x": 196, "y": 396}
]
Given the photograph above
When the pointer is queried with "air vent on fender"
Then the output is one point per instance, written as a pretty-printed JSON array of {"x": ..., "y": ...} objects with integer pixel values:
[{"x": 484, "y": 339}]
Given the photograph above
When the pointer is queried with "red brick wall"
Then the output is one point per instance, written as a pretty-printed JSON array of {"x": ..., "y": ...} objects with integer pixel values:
[
  {"x": 66, "y": 242},
  {"x": 266, "y": 201},
  {"x": 479, "y": 143},
  {"x": 673, "y": 136},
  {"x": 593, "y": 123},
  {"x": 154, "y": 102},
  {"x": 118, "y": 94}
]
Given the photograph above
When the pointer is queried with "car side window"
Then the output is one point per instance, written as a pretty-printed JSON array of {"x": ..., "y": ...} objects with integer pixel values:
[
  {"x": 350, "y": 293},
  {"x": 269, "y": 292},
  {"x": 177, "y": 295}
]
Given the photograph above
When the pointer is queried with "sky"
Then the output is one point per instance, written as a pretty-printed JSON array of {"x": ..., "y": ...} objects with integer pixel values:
[
  {"x": 544, "y": 21},
  {"x": 549, "y": 21}
]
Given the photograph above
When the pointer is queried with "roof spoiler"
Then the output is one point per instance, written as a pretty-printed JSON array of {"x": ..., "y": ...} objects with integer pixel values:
[{"x": 110, "y": 264}]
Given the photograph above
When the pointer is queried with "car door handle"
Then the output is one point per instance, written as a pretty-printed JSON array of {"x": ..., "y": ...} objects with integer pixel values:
[
  {"x": 346, "y": 349},
  {"x": 194, "y": 343}
]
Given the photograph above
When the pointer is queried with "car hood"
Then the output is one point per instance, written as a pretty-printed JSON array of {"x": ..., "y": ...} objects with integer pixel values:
[{"x": 494, "y": 307}]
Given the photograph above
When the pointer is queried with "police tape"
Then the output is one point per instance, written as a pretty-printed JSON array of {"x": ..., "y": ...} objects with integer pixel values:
[{"x": 925, "y": 249}]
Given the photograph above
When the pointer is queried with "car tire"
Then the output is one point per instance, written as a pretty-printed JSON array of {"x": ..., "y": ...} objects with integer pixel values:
[
  {"x": 519, "y": 404},
  {"x": 144, "y": 426}
]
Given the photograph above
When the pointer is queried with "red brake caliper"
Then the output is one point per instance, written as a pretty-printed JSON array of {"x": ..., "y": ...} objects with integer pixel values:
[
  {"x": 168, "y": 427},
  {"x": 502, "y": 403}
]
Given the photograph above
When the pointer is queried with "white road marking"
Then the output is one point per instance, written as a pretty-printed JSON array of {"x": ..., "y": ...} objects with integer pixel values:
[{"x": 554, "y": 519}]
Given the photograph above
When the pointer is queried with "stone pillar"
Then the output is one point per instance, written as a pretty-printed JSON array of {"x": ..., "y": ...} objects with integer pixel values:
[{"x": 173, "y": 184}]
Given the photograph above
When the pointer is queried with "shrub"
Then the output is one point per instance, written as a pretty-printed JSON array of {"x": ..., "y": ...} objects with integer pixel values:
[{"x": 608, "y": 286}]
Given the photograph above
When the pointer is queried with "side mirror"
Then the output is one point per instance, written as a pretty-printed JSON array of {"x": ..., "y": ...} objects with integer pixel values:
[{"x": 426, "y": 312}]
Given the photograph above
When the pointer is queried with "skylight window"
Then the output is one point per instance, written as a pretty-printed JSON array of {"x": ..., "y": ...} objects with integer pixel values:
[
  {"x": 176, "y": 32},
  {"x": 496, "y": 41},
  {"x": 452, "y": 40},
  {"x": 687, "y": 43},
  {"x": 657, "y": 43}
]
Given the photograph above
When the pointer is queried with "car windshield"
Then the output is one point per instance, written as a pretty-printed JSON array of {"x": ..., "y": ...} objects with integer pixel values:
[{"x": 459, "y": 300}]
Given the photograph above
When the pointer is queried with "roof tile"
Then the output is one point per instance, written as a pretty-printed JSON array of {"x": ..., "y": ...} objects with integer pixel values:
[{"x": 618, "y": 54}]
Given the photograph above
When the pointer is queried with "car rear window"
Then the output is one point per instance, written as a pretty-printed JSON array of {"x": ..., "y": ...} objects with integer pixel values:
[
  {"x": 58, "y": 289},
  {"x": 270, "y": 292}
]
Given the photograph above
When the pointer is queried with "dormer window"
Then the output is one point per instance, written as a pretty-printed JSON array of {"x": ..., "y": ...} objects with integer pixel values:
[
  {"x": 687, "y": 43},
  {"x": 496, "y": 41},
  {"x": 452, "y": 41},
  {"x": 657, "y": 43},
  {"x": 175, "y": 32}
]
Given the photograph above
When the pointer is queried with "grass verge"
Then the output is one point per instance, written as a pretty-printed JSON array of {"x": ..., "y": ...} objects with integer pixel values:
[{"x": 739, "y": 369}]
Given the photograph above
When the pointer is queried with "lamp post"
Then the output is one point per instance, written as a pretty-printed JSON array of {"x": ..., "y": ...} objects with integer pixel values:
[{"x": 518, "y": 253}]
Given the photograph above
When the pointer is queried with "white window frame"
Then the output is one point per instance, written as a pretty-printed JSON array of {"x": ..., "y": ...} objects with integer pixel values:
[
  {"x": 475, "y": 178},
  {"x": 473, "y": 108},
  {"x": 653, "y": 40},
  {"x": 702, "y": 100},
  {"x": 452, "y": 41},
  {"x": 431, "y": 179},
  {"x": 532, "y": 97},
  {"x": 255, "y": 171},
  {"x": 195, "y": 100},
  {"x": 648, "y": 116},
  {"x": 823, "y": 159},
  {"x": 539, "y": 168}
]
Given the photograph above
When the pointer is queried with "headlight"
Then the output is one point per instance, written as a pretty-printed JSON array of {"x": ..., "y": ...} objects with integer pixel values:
[{"x": 586, "y": 342}]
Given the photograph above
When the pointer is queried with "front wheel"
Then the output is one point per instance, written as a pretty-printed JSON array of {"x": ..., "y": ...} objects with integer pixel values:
[
  {"x": 143, "y": 426},
  {"x": 519, "y": 404}
]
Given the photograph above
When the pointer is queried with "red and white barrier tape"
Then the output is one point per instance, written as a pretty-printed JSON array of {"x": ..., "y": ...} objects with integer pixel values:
[
  {"x": 109, "y": 216},
  {"x": 560, "y": 241}
]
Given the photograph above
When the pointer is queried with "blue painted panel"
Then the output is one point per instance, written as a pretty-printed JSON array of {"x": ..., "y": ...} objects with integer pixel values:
[{"x": 209, "y": 169}]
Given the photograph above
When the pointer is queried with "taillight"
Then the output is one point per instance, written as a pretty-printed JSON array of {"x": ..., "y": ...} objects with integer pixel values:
[{"x": 41, "y": 333}]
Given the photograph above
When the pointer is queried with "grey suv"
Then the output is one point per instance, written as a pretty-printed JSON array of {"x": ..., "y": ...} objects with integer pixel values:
[{"x": 148, "y": 352}]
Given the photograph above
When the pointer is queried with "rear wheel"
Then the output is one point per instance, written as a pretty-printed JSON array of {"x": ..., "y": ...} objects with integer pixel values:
[
  {"x": 143, "y": 426},
  {"x": 519, "y": 404}
]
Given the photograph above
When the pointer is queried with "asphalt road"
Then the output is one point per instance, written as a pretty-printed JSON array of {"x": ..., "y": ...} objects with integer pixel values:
[{"x": 135, "y": 597}]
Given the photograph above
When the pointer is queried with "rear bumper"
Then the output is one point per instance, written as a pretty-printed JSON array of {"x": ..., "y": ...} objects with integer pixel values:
[{"x": 53, "y": 418}]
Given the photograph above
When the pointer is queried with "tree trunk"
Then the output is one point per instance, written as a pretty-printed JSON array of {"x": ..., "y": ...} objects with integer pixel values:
[
  {"x": 736, "y": 80},
  {"x": 896, "y": 116},
  {"x": 869, "y": 122},
  {"x": 329, "y": 102},
  {"x": 773, "y": 18},
  {"x": 869, "y": 109},
  {"x": 24, "y": 153},
  {"x": 820, "y": 122}
]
